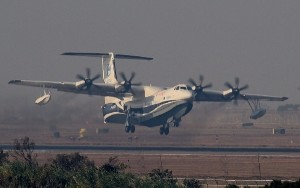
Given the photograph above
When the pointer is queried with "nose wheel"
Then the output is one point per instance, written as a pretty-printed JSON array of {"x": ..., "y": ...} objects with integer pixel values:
[
  {"x": 130, "y": 128},
  {"x": 164, "y": 129}
]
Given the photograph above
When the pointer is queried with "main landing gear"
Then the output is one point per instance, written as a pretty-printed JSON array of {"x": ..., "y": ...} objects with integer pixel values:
[
  {"x": 128, "y": 126},
  {"x": 164, "y": 129}
]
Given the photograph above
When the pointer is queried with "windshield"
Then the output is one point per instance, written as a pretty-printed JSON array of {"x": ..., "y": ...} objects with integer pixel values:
[{"x": 183, "y": 87}]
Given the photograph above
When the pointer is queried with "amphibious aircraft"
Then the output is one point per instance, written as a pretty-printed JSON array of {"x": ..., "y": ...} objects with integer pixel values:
[{"x": 136, "y": 104}]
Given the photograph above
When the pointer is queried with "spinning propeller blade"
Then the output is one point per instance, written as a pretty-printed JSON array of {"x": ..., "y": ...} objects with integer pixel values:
[
  {"x": 88, "y": 82},
  {"x": 127, "y": 83},
  {"x": 236, "y": 90},
  {"x": 199, "y": 88}
]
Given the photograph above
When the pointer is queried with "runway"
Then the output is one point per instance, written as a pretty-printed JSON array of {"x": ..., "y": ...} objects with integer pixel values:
[{"x": 164, "y": 149}]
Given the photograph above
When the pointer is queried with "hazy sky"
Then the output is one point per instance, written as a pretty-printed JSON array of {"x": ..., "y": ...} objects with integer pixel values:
[{"x": 257, "y": 40}]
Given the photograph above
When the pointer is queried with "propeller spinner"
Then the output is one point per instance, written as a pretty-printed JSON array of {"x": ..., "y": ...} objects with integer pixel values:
[
  {"x": 88, "y": 82},
  {"x": 199, "y": 88},
  {"x": 236, "y": 90},
  {"x": 127, "y": 83}
]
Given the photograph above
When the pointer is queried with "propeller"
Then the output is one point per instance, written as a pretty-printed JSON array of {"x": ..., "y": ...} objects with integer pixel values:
[
  {"x": 199, "y": 88},
  {"x": 88, "y": 81},
  {"x": 236, "y": 90},
  {"x": 127, "y": 83}
]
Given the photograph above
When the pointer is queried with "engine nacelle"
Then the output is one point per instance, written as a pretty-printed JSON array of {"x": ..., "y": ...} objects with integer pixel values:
[
  {"x": 120, "y": 88},
  {"x": 258, "y": 113},
  {"x": 43, "y": 99},
  {"x": 79, "y": 84}
]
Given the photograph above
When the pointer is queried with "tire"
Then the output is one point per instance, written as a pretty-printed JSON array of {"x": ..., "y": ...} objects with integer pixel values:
[
  {"x": 127, "y": 129},
  {"x": 166, "y": 130},
  {"x": 132, "y": 128},
  {"x": 161, "y": 131}
]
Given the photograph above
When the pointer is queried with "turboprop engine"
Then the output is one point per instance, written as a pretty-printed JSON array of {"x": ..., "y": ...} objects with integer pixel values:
[
  {"x": 125, "y": 85},
  {"x": 43, "y": 99}
]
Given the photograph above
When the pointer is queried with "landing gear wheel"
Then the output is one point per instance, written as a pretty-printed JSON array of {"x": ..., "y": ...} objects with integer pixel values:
[
  {"x": 132, "y": 128},
  {"x": 161, "y": 131},
  {"x": 127, "y": 129},
  {"x": 166, "y": 130},
  {"x": 176, "y": 124}
]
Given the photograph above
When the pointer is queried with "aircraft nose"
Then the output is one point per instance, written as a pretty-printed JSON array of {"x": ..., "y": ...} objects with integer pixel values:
[{"x": 189, "y": 96}]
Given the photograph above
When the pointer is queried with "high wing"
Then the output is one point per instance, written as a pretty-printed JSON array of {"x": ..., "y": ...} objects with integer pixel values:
[
  {"x": 211, "y": 96},
  {"x": 101, "y": 89},
  {"x": 233, "y": 93},
  {"x": 111, "y": 86},
  {"x": 227, "y": 96},
  {"x": 261, "y": 97}
]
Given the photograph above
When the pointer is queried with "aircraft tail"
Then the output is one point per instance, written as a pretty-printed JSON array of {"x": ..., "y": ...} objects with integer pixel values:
[{"x": 108, "y": 67}]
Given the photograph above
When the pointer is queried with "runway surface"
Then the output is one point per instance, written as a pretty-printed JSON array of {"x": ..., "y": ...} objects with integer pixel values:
[{"x": 164, "y": 149}]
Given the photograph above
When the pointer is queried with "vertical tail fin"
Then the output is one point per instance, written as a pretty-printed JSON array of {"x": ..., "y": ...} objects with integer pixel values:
[{"x": 109, "y": 70}]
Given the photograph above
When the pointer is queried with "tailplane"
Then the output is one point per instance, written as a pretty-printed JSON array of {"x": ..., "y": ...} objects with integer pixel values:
[{"x": 108, "y": 63}]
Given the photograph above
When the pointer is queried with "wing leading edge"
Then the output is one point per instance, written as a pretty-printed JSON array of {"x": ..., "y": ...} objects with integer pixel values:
[
  {"x": 227, "y": 96},
  {"x": 100, "y": 89},
  {"x": 261, "y": 97}
]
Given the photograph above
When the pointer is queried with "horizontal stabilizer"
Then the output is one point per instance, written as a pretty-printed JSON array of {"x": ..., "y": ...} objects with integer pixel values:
[{"x": 105, "y": 55}]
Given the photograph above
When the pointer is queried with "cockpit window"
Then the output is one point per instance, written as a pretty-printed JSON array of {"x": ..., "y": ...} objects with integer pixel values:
[{"x": 183, "y": 87}]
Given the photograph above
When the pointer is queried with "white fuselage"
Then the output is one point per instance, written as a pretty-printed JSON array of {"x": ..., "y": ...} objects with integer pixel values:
[{"x": 157, "y": 107}]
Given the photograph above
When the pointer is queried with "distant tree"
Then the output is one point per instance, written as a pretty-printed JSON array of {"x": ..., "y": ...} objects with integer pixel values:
[
  {"x": 297, "y": 183},
  {"x": 73, "y": 161},
  {"x": 3, "y": 157},
  {"x": 163, "y": 177},
  {"x": 23, "y": 150},
  {"x": 145, "y": 182},
  {"x": 21, "y": 174},
  {"x": 49, "y": 176},
  {"x": 288, "y": 107},
  {"x": 192, "y": 183},
  {"x": 22, "y": 171},
  {"x": 274, "y": 184},
  {"x": 112, "y": 174},
  {"x": 69, "y": 170},
  {"x": 285, "y": 184},
  {"x": 113, "y": 165}
]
